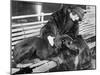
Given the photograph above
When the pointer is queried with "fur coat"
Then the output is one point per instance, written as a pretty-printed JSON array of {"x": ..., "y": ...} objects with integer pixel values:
[{"x": 63, "y": 23}]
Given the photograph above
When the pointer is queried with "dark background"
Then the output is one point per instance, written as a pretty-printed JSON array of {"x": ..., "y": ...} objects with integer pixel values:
[
  {"x": 27, "y": 8},
  {"x": 24, "y": 8}
]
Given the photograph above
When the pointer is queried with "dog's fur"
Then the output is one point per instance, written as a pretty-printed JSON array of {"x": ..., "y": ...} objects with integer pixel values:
[
  {"x": 83, "y": 58},
  {"x": 31, "y": 47}
]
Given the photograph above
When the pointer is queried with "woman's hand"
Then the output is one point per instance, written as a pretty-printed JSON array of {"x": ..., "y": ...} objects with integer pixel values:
[{"x": 51, "y": 40}]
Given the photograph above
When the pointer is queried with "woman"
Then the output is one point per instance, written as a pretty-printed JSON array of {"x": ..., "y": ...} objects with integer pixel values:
[{"x": 62, "y": 22}]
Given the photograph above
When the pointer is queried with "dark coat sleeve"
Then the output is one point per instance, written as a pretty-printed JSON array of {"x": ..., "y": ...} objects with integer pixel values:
[
  {"x": 74, "y": 30},
  {"x": 47, "y": 29}
]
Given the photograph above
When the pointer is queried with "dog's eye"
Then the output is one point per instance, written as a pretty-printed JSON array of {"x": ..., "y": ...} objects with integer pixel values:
[
  {"x": 63, "y": 40},
  {"x": 69, "y": 43}
]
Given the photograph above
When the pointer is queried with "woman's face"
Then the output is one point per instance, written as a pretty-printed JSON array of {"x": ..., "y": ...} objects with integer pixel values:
[{"x": 74, "y": 16}]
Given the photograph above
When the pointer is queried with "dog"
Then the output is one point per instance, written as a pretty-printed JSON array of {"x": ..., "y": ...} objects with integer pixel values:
[
  {"x": 30, "y": 48},
  {"x": 83, "y": 58}
]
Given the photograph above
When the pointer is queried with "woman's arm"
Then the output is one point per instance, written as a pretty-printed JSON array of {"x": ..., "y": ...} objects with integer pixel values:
[{"x": 47, "y": 32}]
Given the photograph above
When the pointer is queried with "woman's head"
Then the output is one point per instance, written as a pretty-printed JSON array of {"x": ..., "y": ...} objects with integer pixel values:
[{"x": 77, "y": 13}]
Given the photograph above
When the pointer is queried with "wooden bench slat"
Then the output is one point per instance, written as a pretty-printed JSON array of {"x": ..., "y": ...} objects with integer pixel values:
[
  {"x": 87, "y": 29},
  {"x": 25, "y": 36},
  {"x": 28, "y": 24},
  {"x": 32, "y": 15}
]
